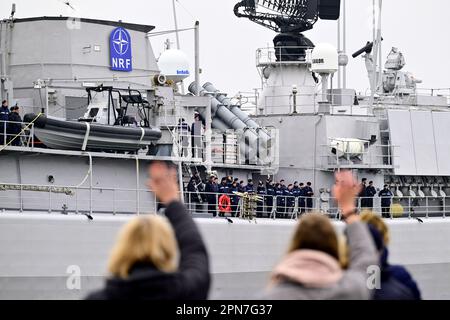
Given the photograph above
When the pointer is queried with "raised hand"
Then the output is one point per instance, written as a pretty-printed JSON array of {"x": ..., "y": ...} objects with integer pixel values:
[{"x": 345, "y": 191}]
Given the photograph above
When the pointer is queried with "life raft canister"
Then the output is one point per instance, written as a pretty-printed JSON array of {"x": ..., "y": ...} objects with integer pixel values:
[{"x": 224, "y": 203}]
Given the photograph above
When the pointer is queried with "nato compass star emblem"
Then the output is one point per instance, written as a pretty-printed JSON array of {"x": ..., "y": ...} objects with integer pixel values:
[{"x": 121, "y": 41}]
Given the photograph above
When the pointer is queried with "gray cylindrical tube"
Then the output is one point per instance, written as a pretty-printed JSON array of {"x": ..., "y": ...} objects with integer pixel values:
[
  {"x": 219, "y": 125},
  {"x": 223, "y": 99}
]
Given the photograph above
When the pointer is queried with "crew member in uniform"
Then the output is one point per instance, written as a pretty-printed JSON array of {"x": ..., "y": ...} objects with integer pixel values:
[
  {"x": 290, "y": 199},
  {"x": 296, "y": 191},
  {"x": 261, "y": 191},
  {"x": 234, "y": 198},
  {"x": 309, "y": 196},
  {"x": 4, "y": 117},
  {"x": 14, "y": 126},
  {"x": 369, "y": 194},
  {"x": 362, "y": 194},
  {"x": 211, "y": 191},
  {"x": 386, "y": 199},
  {"x": 194, "y": 188},
  {"x": 223, "y": 187},
  {"x": 302, "y": 199},
  {"x": 270, "y": 193},
  {"x": 250, "y": 188},
  {"x": 281, "y": 200}
]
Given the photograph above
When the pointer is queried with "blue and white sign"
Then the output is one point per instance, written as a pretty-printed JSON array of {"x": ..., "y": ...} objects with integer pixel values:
[{"x": 120, "y": 48}]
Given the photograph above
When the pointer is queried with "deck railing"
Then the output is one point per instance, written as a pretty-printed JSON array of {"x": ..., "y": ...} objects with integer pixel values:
[{"x": 122, "y": 201}]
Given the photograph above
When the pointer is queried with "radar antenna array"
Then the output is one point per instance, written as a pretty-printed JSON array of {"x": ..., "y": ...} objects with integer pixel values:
[
  {"x": 289, "y": 18},
  {"x": 288, "y": 15}
]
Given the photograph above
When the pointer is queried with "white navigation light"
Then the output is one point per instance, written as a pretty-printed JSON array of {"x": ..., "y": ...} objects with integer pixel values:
[
  {"x": 325, "y": 59},
  {"x": 174, "y": 64}
]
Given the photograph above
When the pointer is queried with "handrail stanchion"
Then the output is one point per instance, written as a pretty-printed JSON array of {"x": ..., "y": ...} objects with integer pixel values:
[
  {"x": 21, "y": 199},
  {"x": 50, "y": 200}
]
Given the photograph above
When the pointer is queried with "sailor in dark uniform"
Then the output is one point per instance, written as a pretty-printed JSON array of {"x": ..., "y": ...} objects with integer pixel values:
[
  {"x": 211, "y": 191},
  {"x": 250, "y": 188},
  {"x": 386, "y": 200},
  {"x": 261, "y": 191},
  {"x": 270, "y": 193},
  {"x": 302, "y": 199},
  {"x": 290, "y": 199},
  {"x": 223, "y": 187},
  {"x": 281, "y": 200},
  {"x": 234, "y": 198},
  {"x": 4, "y": 117},
  {"x": 369, "y": 194},
  {"x": 309, "y": 196}
]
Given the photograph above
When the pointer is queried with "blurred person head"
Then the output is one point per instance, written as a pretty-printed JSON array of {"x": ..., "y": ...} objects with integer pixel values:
[
  {"x": 315, "y": 232},
  {"x": 250, "y": 182},
  {"x": 146, "y": 239},
  {"x": 302, "y": 185},
  {"x": 309, "y": 184},
  {"x": 4, "y": 103},
  {"x": 296, "y": 184},
  {"x": 364, "y": 180},
  {"x": 371, "y": 183},
  {"x": 378, "y": 224},
  {"x": 291, "y": 186},
  {"x": 282, "y": 182}
]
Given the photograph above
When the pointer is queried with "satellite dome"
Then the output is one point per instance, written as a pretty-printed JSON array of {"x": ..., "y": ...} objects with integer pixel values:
[
  {"x": 325, "y": 59},
  {"x": 174, "y": 64}
]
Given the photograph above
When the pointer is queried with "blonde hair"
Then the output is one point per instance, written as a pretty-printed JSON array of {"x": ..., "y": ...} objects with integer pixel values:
[
  {"x": 315, "y": 232},
  {"x": 377, "y": 222},
  {"x": 145, "y": 239}
]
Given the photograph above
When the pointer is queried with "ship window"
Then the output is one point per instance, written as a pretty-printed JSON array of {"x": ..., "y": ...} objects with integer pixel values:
[{"x": 93, "y": 112}]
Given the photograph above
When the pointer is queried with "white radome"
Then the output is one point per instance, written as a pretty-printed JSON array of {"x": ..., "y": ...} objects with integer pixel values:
[
  {"x": 174, "y": 64},
  {"x": 325, "y": 59}
]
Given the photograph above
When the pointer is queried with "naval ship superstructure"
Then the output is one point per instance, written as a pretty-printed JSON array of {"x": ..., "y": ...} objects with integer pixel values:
[{"x": 62, "y": 206}]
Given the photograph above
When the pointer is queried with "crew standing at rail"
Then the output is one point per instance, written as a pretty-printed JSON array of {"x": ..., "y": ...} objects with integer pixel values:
[
  {"x": 302, "y": 199},
  {"x": 362, "y": 194},
  {"x": 14, "y": 126},
  {"x": 369, "y": 194},
  {"x": 234, "y": 198},
  {"x": 281, "y": 200},
  {"x": 386, "y": 199},
  {"x": 309, "y": 192},
  {"x": 261, "y": 191},
  {"x": 211, "y": 190},
  {"x": 270, "y": 193},
  {"x": 290, "y": 199},
  {"x": 4, "y": 117}
]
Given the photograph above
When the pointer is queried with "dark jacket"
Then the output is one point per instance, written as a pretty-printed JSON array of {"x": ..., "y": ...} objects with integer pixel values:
[
  {"x": 270, "y": 191},
  {"x": 15, "y": 126},
  {"x": 369, "y": 193},
  {"x": 385, "y": 196},
  {"x": 190, "y": 282},
  {"x": 396, "y": 282},
  {"x": 211, "y": 189},
  {"x": 4, "y": 116}
]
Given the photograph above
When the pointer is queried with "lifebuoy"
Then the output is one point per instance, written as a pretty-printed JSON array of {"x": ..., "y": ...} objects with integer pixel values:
[{"x": 224, "y": 203}]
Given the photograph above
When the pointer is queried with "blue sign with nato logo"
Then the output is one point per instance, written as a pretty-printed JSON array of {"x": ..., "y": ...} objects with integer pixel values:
[{"x": 120, "y": 47}]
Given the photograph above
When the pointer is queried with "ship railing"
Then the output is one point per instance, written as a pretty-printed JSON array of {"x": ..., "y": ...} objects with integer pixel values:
[
  {"x": 128, "y": 201},
  {"x": 338, "y": 104},
  {"x": 439, "y": 92},
  {"x": 372, "y": 156},
  {"x": 206, "y": 205},
  {"x": 189, "y": 147},
  {"x": 24, "y": 138},
  {"x": 284, "y": 54}
]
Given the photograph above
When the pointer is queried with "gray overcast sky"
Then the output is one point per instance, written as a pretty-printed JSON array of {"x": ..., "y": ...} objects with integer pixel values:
[{"x": 228, "y": 44}]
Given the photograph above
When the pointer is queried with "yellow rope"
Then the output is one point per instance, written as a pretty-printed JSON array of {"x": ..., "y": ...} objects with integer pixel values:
[{"x": 23, "y": 130}]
